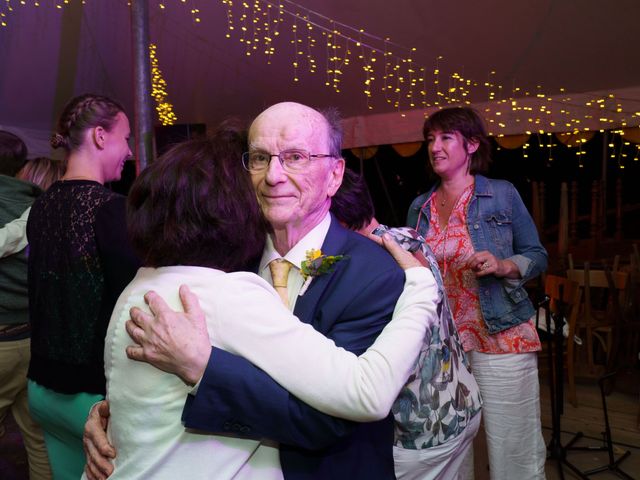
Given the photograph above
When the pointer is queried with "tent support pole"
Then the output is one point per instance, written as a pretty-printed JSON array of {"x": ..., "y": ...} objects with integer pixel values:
[{"x": 143, "y": 128}]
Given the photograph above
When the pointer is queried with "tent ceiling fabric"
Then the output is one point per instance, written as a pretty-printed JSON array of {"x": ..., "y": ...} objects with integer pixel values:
[
  {"x": 581, "y": 46},
  {"x": 511, "y": 142},
  {"x": 407, "y": 149}
]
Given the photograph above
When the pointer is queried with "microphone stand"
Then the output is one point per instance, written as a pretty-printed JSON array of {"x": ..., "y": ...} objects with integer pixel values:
[
  {"x": 555, "y": 341},
  {"x": 607, "y": 446}
]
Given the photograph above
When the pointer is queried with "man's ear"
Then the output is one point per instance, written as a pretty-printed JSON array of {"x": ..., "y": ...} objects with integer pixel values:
[
  {"x": 98, "y": 135},
  {"x": 337, "y": 172}
]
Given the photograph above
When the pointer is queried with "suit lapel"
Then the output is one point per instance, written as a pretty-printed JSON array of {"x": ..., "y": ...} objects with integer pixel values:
[{"x": 333, "y": 244}]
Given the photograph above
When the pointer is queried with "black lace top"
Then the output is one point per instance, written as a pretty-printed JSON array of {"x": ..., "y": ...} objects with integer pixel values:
[{"x": 79, "y": 261}]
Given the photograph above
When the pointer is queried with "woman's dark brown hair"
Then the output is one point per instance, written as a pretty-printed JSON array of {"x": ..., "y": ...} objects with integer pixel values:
[
  {"x": 470, "y": 125},
  {"x": 195, "y": 205},
  {"x": 352, "y": 204},
  {"x": 13, "y": 153}
]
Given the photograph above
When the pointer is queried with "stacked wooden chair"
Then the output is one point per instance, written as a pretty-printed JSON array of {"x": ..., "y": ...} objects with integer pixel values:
[{"x": 565, "y": 296}]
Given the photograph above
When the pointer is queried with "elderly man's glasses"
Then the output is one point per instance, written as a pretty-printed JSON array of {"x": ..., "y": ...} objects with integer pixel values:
[{"x": 291, "y": 160}]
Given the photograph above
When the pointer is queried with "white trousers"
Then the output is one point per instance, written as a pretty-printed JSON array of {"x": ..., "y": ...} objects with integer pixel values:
[
  {"x": 511, "y": 414},
  {"x": 442, "y": 462}
]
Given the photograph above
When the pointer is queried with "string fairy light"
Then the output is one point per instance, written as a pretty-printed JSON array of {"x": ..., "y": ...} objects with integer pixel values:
[
  {"x": 436, "y": 81},
  {"x": 269, "y": 34},
  {"x": 391, "y": 74},
  {"x": 550, "y": 145},
  {"x": 230, "y": 25},
  {"x": 311, "y": 43},
  {"x": 159, "y": 90},
  {"x": 294, "y": 42}
]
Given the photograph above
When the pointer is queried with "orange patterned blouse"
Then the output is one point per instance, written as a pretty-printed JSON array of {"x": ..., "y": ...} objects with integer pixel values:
[{"x": 452, "y": 247}]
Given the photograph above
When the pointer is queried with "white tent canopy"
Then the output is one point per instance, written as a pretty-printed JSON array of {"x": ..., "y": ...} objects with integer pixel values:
[{"x": 588, "y": 48}]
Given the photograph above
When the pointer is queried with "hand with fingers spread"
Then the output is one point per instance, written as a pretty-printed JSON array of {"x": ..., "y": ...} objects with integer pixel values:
[
  {"x": 96, "y": 445},
  {"x": 175, "y": 342},
  {"x": 484, "y": 263}
]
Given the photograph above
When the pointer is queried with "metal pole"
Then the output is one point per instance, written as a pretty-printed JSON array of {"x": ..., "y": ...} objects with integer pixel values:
[
  {"x": 603, "y": 196},
  {"x": 71, "y": 29},
  {"x": 143, "y": 128}
]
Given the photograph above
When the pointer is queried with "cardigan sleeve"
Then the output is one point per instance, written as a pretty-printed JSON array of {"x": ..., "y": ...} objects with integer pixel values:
[
  {"x": 310, "y": 365},
  {"x": 119, "y": 262}
]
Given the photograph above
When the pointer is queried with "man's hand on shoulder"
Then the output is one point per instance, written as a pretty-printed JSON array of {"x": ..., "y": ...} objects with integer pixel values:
[{"x": 175, "y": 342}]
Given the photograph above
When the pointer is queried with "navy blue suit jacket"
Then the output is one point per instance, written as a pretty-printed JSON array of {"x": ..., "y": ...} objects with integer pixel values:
[{"x": 350, "y": 305}]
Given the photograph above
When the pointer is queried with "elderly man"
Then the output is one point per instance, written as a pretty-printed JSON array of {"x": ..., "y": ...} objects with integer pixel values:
[{"x": 296, "y": 167}]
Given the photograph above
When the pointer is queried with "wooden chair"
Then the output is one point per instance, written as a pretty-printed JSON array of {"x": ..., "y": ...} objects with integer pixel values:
[
  {"x": 631, "y": 309},
  {"x": 565, "y": 298},
  {"x": 615, "y": 267},
  {"x": 600, "y": 316},
  {"x": 630, "y": 306},
  {"x": 633, "y": 312}
]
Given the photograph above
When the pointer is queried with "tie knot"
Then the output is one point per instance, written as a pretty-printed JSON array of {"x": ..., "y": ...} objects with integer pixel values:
[{"x": 280, "y": 272}]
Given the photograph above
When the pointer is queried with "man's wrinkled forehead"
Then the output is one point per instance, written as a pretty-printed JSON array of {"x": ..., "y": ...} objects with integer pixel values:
[{"x": 289, "y": 122}]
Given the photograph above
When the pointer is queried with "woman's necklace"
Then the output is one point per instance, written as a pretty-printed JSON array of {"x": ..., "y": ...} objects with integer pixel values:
[{"x": 444, "y": 200}]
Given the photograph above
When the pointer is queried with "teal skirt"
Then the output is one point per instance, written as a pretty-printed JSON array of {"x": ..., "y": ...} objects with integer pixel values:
[{"x": 62, "y": 419}]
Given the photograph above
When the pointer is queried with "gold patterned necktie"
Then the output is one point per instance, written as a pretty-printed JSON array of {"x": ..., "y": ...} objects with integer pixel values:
[{"x": 280, "y": 274}]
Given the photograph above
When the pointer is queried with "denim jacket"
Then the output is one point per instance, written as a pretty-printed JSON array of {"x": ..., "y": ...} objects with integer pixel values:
[{"x": 497, "y": 221}]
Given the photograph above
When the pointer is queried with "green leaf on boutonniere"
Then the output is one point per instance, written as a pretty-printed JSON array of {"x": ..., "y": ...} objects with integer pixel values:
[{"x": 318, "y": 264}]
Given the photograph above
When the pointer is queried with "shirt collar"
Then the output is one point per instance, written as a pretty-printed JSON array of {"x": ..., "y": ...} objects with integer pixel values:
[{"x": 314, "y": 239}]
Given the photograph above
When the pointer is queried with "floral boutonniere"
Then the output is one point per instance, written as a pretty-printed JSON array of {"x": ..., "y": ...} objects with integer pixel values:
[{"x": 316, "y": 264}]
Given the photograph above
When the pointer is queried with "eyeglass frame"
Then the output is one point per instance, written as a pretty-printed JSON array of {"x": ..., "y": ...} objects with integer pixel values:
[{"x": 245, "y": 159}]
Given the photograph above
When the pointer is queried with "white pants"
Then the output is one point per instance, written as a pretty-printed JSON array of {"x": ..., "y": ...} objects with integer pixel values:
[
  {"x": 439, "y": 462},
  {"x": 511, "y": 414}
]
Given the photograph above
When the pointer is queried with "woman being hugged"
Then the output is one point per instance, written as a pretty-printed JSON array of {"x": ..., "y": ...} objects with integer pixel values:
[
  {"x": 79, "y": 262},
  {"x": 487, "y": 248}
]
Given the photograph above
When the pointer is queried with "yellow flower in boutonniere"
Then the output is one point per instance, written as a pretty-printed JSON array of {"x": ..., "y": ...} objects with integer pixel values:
[
  {"x": 315, "y": 265},
  {"x": 313, "y": 254}
]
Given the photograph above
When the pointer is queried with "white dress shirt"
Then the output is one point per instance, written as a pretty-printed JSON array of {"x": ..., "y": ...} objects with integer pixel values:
[{"x": 312, "y": 240}]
